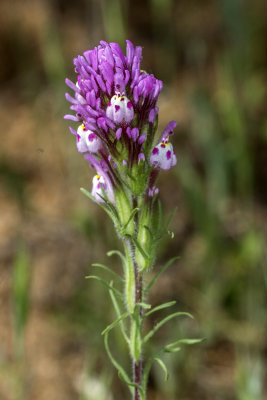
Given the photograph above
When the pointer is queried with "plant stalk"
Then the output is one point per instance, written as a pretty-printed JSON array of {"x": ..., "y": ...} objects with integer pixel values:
[{"x": 137, "y": 364}]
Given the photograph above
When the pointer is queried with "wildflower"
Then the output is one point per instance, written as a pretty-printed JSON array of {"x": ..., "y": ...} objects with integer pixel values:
[{"x": 115, "y": 104}]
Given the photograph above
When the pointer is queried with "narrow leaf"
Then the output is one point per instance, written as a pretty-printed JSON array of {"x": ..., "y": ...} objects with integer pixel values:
[
  {"x": 160, "y": 307},
  {"x": 170, "y": 218},
  {"x": 102, "y": 266},
  {"x": 183, "y": 341},
  {"x": 117, "y": 252},
  {"x": 135, "y": 210},
  {"x": 132, "y": 384},
  {"x": 111, "y": 326},
  {"x": 118, "y": 312},
  {"x": 119, "y": 368},
  {"x": 163, "y": 366},
  {"x": 162, "y": 322},
  {"x": 139, "y": 247},
  {"x": 153, "y": 280},
  {"x": 143, "y": 305},
  {"x": 105, "y": 283},
  {"x": 104, "y": 206}
]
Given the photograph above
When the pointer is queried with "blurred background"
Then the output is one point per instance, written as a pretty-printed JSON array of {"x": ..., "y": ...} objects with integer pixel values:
[{"x": 212, "y": 58}]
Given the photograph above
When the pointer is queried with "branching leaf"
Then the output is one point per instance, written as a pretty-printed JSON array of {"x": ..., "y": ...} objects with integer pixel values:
[
  {"x": 105, "y": 283},
  {"x": 135, "y": 210},
  {"x": 102, "y": 266},
  {"x": 160, "y": 307},
  {"x": 134, "y": 385},
  {"x": 171, "y": 234},
  {"x": 118, "y": 253},
  {"x": 169, "y": 348},
  {"x": 106, "y": 207},
  {"x": 143, "y": 305},
  {"x": 118, "y": 320},
  {"x": 149, "y": 231},
  {"x": 172, "y": 346},
  {"x": 153, "y": 280},
  {"x": 139, "y": 247},
  {"x": 170, "y": 218},
  {"x": 119, "y": 368},
  {"x": 163, "y": 366},
  {"x": 162, "y": 322},
  {"x": 118, "y": 312}
]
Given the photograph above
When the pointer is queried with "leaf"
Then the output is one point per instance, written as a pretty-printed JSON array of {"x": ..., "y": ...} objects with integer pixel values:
[
  {"x": 163, "y": 366},
  {"x": 153, "y": 280},
  {"x": 171, "y": 234},
  {"x": 102, "y": 266},
  {"x": 163, "y": 321},
  {"x": 139, "y": 247},
  {"x": 183, "y": 341},
  {"x": 160, "y": 307},
  {"x": 143, "y": 305},
  {"x": 169, "y": 348},
  {"x": 119, "y": 368},
  {"x": 135, "y": 210},
  {"x": 111, "y": 326},
  {"x": 117, "y": 252},
  {"x": 170, "y": 218},
  {"x": 132, "y": 384},
  {"x": 149, "y": 231},
  {"x": 118, "y": 312},
  {"x": 105, "y": 283},
  {"x": 104, "y": 206}
]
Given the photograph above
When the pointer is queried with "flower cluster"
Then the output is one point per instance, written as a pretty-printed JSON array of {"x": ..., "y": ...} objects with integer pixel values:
[{"x": 115, "y": 104}]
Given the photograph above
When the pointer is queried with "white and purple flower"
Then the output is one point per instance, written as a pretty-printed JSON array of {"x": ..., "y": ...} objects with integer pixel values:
[
  {"x": 120, "y": 109},
  {"x": 163, "y": 156},
  {"x": 87, "y": 140}
]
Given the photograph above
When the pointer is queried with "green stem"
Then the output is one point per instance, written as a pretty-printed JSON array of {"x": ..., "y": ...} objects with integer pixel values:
[
  {"x": 129, "y": 276},
  {"x": 137, "y": 364}
]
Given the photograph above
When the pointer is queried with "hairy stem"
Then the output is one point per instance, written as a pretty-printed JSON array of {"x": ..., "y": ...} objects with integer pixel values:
[{"x": 137, "y": 364}]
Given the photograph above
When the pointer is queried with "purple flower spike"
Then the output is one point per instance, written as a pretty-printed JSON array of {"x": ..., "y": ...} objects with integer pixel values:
[
  {"x": 114, "y": 100},
  {"x": 163, "y": 156}
]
